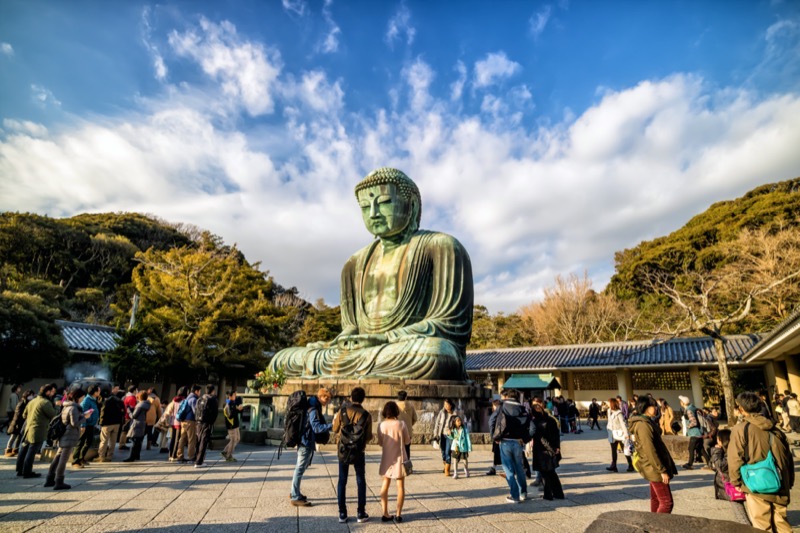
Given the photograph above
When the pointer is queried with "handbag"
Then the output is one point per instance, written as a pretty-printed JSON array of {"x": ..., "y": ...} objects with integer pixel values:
[
  {"x": 435, "y": 444},
  {"x": 762, "y": 477},
  {"x": 628, "y": 448},
  {"x": 408, "y": 466},
  {"x": 734, "y": 494}
]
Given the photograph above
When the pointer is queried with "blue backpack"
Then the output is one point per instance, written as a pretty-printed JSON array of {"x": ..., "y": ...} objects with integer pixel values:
[
  {"x": 183, "y": 410},
  {"x": 762, "y": 477}
]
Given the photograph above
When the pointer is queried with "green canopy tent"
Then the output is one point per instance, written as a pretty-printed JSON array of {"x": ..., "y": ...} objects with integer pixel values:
[{"x": 531, "y": 383}]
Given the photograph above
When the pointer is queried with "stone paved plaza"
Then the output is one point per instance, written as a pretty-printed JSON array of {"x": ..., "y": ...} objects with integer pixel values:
[{"x": 252, "y": 496}]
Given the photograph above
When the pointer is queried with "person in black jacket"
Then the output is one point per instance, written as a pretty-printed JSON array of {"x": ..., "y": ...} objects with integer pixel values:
[
  {"x": 15, "y": 425},
  {"x": 594, "y": 414},
  {"x": 205, "y": 423},
  {"x": 112, "y": 416},
  {"x": 547, "y": 452},
  {"x": 513, "y": 429},
  {"x": 231, "y": 412}
]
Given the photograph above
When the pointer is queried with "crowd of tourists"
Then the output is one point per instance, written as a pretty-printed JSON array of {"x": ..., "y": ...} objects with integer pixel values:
[
  {"x": 752, "y": 463},
  {"x": 69, "y": 422}
]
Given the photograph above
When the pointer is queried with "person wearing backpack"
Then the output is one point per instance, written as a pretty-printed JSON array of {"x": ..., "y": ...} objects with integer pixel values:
[
  {"x": 37, "y": 415},
  {"x": 758, "y": 441},
  {"x": 353, "y": 424},
  {"x": 231, "y": 413},
  {"x": 694, "y": 431},
  {"x": 171, "y": 413},
  {"x": 651, "y": 458},
  {"x": 305, "y": 425},
  {"x": 513, "y": 429},
  {"x": 88, "y": 405},
  {"x": 205, "y": 414},
  {"x": 72, "y": 415},
  {"x": 185, "y": 415}
]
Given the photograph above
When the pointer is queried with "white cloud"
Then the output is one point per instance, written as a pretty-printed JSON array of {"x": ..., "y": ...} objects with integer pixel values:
[
  {"x": 247, "y": 71},
  {"x": 6, "y": 49},
  {"x": 25, "y": 127},
  {"x": 400, "y": 24},
  {"x": 44, "y": 97},
  {"x": 331, "y": 42},
  {"x": 538, "y": 21},
  {"x": 159, "y": 67},
  {"x": 527, "y": 201},
  {"x": 297, "y": 7},
  {"x": 494, "y": 68},
  {"x": 457, "y": 87}
]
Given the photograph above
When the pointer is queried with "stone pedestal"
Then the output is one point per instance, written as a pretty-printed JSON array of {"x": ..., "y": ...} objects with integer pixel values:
[{"x": 472, "y": 400}]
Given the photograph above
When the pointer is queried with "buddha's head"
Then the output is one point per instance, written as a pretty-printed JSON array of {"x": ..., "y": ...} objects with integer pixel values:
[{"x": 390, "y": 202}]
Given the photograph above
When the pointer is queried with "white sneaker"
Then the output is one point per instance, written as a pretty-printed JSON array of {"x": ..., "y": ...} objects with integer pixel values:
[
  {"x": 523, "y": 496},
  {"x": 201, "y": 466},
  {"x": 509, "y": 499}
]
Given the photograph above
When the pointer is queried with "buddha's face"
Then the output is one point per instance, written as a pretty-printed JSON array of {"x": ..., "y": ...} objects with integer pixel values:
[{"x": 385, "y": 211}]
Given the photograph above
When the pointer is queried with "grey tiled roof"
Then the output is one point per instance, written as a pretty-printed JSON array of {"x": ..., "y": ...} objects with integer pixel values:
[
  {"x": 88, "y": 337},
  {"x": 675, "y": 352}
]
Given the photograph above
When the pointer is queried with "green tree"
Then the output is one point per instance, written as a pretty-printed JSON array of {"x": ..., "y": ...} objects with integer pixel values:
[
  {"x": 322, "y": 323},
  {"x": 206, "y": 306},
  {"x": 133, "y": 359}
]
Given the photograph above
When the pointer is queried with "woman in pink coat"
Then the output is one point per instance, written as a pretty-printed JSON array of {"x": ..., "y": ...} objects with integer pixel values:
[{"x": 393, "y": 436}]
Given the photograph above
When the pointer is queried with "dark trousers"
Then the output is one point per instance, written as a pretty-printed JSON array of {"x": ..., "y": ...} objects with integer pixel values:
[
  {"x": 150, "y": 435},
  {"x": 173, "y": 442},
  {"x": 408, "y": 451},
  {"x": 696, "y": 445},
  {"x": 203, "y": 441},
  {"x": 564, "y": 425},
  {"x": 614, "y": 447},
  {"x": 496, "y": 453},
  {"x": 27, "y": 454},
  {"x": 660, "y": 497},
  {"x": 137, "y": 448},
  {"x": 361, "y": 484},
  {"x": 593, "y": 423},
  {"x": 84, "y": 443},
  {"x": 552, "y": 486}
]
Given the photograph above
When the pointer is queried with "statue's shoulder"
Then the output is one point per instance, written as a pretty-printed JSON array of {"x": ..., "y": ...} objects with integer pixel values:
[{"x": 437, "y": 238}]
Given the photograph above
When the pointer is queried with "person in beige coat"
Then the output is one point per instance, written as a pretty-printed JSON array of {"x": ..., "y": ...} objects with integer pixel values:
[
  {"x": 393, "y": 437},
  {"x": 408, "y": 415},
  {"x": 667, "y": 417},
  {"x": 767, "y": 511}
]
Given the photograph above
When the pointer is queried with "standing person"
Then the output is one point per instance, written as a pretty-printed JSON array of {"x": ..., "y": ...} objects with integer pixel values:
[
  {"x": 655, "y": 463},
  {"x": 623, "y": 407},
  {"x": 441, "y": 432},
  {"x": 694, "y": 432},
  {"x": 312, "y": 423},
  {"x": 354, "y": 425},
  {"x": 512, "y": 430},
  {"x": 231, "y": 413},
  {"x": 129, "y": 401},
  {"x": 153, "y": 415},
  {"x": 794, "y": 413},
  {"x": 205, "y": 414},
  {"x": 751, "y": 442},
  {"x": 495, "y": 445},
  {"x": 393, "y": 437},
  {"x": 138, "y": 427},
  {"x": 547, "y": 452},
  {"x": 408, "y": 415},
  {"x": 461, "y": 446},
  {"x": 72, "y": 416},
  {"x": 188, "y": 436},
  {"x": 11, "y": 406},
  {"x": 172, "y": 417},
  {"x": 710, "y": 434},
  {"x": 112, "y": 415},
  {"x": 594, "y": 414},
  {"x": 88, "y": 406},
  {"x": 16, "y": 424},
  {"x": 667, "y": 417},
  {"x": 618, "y": 434},
  {"x": 37, "y": 416}
]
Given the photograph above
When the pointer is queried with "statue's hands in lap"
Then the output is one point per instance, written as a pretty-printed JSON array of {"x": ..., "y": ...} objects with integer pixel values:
[
  {"x": 319, "y": 345},
  {"x": 359, "y": 342}
]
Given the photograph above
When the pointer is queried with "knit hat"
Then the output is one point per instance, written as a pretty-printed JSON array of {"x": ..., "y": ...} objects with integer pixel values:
[{"x": 684, "y": 399}]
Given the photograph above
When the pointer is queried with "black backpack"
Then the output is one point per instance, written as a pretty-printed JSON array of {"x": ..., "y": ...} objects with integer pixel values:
[
  {"x": 56, "y": 429},
  {"x": 200, "y": 408},
  {"x": 351, "y": 437},
  {"x": 296, "y": 408}
]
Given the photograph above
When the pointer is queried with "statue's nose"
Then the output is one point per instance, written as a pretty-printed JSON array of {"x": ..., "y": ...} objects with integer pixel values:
[{"x": 373, "y": 209}]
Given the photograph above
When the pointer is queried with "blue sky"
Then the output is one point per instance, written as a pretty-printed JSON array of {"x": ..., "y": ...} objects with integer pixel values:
[{"x": 544, "y": 135}]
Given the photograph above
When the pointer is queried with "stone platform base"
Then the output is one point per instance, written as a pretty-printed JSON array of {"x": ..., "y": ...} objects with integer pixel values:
[{"x": 472, "y": 400}]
